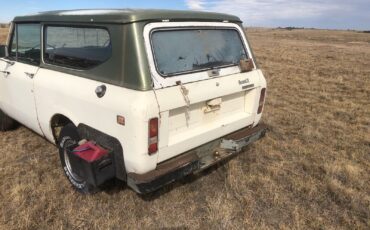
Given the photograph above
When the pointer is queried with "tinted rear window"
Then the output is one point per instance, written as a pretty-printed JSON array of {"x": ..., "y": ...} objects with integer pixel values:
[
  {"x": 76, "y": 47},
  {"x": 191, "y": 50}
]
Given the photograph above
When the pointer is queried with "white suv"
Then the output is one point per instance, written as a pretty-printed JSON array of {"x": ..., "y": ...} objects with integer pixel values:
[{"x": 144, "y": 96}]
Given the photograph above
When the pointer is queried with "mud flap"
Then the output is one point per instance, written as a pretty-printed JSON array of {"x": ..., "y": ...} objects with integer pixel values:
[{"x": 90, "y": 133}]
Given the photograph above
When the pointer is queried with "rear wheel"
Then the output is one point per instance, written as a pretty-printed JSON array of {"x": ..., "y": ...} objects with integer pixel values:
[
  {"x": 68, "y": 137},
  {"x": 6, "y": 122}
]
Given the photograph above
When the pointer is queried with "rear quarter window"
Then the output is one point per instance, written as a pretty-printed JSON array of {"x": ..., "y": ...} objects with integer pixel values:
[{"x": 76, "y": 47}]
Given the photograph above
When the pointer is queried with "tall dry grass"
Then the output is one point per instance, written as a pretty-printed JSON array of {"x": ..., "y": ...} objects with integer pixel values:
[
  {"x": 3, "y": 35},
  {"x": 312, "y": 170}
]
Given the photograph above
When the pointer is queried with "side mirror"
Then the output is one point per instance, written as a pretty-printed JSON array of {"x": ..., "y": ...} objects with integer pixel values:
[{"x": 2, "y": 51}]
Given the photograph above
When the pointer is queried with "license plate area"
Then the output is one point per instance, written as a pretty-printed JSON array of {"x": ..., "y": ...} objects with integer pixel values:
[{"x": 216, "y": 151}]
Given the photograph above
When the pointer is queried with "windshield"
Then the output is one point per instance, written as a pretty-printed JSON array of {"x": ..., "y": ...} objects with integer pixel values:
[{"x": 192, "y": 50}]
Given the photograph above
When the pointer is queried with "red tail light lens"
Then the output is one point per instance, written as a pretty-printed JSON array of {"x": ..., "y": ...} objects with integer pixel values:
[
  {"x": 153, "y": 136},
  {"x": 262, "y": 100}
]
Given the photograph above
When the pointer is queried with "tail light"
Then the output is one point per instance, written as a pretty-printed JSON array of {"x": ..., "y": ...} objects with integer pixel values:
[
  {"x": 153, "y": 136},
  {"x": 262, "y": 100}
]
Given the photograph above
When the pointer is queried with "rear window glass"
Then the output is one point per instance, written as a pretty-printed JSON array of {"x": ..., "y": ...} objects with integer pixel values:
[
  {"x": 75, "y": 47},
  {"x": 192, "y": 50}
]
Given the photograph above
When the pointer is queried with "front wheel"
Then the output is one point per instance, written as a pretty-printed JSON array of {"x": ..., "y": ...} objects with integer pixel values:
[{"x": 67, "y": 138}]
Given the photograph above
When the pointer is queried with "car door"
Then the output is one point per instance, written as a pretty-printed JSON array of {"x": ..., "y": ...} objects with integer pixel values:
[{"x": 16, "y": 82}]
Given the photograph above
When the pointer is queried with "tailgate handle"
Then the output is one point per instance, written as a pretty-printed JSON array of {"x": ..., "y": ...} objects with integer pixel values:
[{"x": 213, "y": 105}]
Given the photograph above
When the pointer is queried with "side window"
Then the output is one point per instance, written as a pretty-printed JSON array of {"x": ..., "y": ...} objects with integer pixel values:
[
  {"x": 76, "y": 47},
  {"x": 26, "y": 43}
]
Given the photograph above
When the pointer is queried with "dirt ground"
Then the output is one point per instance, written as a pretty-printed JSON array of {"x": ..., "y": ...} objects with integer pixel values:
[{"x": 312, "y": 170}]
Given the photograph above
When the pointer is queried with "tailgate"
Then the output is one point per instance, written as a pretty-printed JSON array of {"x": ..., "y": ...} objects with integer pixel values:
[{"x": 199, "y": 112}]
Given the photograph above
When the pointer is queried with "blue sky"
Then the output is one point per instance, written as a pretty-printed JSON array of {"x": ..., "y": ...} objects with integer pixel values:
[{"x": 332, "y": 14}]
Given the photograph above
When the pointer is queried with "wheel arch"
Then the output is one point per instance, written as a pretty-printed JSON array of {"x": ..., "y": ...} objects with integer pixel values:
[{"x": 57, "y": 122}]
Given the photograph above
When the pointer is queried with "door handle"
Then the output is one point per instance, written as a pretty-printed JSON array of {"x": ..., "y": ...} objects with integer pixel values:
[
  {"x": 30, "y": 75},
  {"x": 5, "y": 72}
]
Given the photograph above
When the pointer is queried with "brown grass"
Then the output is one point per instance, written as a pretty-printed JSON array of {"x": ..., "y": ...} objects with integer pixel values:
[
  {"x": 312, "y": 170},
  {"x": 3, "y": 35}
]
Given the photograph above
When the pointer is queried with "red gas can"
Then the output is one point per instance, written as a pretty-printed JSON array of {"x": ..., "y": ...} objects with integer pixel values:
[
  {"x": 90, "y": 151},
  {"x": 92, "y": 162}
]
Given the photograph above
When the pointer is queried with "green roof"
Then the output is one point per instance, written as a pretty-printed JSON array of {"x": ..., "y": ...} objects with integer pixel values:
[{"x": 124, "y": 16}]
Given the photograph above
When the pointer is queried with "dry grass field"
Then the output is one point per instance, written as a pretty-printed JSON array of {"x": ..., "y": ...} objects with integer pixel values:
[
  {"x": 3, "y": 35},
  {"x": 312, "y": 170}
]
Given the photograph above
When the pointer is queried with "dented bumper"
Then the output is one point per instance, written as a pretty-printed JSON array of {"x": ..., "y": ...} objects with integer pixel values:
[{"x": 195, "y": 160}]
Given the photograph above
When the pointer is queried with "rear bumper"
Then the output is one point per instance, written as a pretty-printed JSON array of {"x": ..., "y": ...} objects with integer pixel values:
[{"x": 195, "y": 160}]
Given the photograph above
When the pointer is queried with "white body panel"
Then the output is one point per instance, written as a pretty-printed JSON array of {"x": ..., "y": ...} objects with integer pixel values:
[
  {"x": 18, "y": 92},
  {"x": 238, "y": 109},
  {"x": 75, "y": 98}
]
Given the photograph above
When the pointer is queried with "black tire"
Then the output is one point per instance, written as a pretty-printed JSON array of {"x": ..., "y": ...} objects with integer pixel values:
[
  {"x": 69, "y": 136},
  {"x": 6, "y": 122}
]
